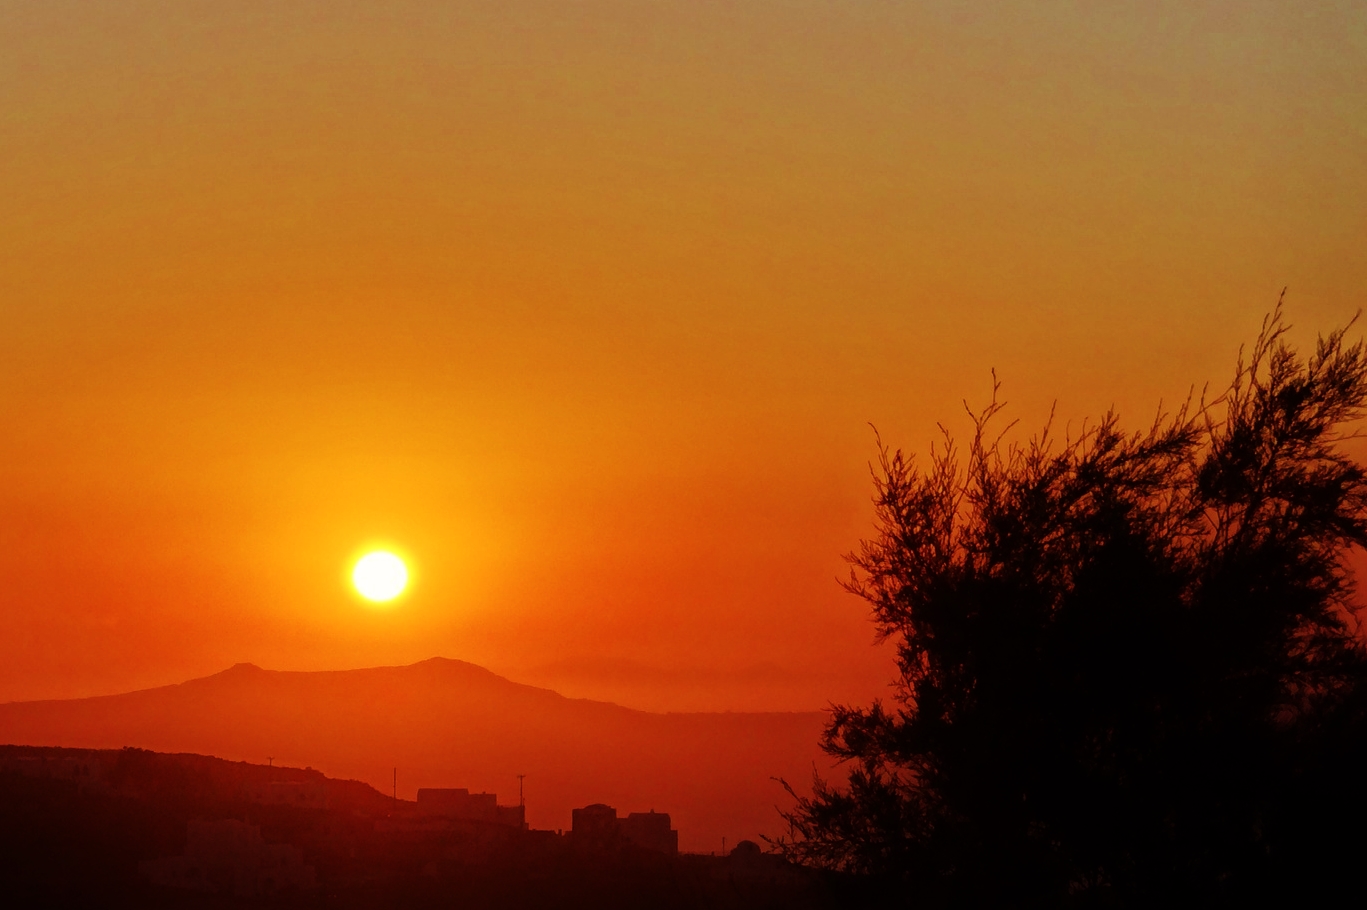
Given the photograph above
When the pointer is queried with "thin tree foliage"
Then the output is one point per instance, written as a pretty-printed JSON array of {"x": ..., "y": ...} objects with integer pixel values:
[{"x": 1128, "y": 662}]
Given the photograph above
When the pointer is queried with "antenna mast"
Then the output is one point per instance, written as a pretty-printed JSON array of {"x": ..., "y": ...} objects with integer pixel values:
[{"x": 520, "y": 800}]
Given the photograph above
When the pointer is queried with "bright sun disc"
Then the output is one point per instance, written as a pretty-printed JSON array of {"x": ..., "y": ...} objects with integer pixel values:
[{"x": 379, "y": 576}]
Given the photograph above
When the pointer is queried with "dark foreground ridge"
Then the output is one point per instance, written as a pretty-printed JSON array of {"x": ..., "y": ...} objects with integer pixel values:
[{"x": 138, "y": 828}]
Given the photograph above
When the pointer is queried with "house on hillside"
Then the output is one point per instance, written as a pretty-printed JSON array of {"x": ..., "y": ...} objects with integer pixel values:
[{"x": 459, "y": 804}]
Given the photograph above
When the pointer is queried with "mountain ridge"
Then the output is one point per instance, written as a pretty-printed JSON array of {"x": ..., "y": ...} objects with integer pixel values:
[{"x": 244, "y": 667}]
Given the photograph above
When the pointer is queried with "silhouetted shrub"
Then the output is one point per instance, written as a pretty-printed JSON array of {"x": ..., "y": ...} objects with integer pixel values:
[{"x": 1128, "y": 669}]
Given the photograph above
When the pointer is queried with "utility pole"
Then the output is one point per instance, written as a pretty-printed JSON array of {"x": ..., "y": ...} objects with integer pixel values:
[
  {"x": 396, "y": 786},
  {"x": 520, "y": 800}
]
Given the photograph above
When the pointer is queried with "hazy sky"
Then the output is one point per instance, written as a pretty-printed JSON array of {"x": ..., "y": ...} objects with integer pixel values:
[{"x": 587, "y": 306}]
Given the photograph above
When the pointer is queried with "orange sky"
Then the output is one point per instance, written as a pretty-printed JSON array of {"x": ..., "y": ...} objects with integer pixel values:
[{"x": 587, "y": 306}]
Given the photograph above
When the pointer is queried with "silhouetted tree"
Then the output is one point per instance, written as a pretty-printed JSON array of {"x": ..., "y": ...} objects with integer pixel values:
[{"x": 1128, "y": 667}]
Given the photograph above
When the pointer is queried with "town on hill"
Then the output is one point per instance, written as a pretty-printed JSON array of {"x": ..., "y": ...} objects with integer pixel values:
[{"x": 184, "y": 830}]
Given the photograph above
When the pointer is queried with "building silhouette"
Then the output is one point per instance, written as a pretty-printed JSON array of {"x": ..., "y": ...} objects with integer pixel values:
[
  {"x": 599, "y": 824},
  {"x": 459, "y": 804}
]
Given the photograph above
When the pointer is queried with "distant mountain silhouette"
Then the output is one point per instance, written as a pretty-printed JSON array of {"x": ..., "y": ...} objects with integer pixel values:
[{"x": 450, "y": 723}]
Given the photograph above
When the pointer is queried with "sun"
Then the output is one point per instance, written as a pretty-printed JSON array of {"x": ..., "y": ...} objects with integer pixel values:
[{"x": 379, "y": 576}]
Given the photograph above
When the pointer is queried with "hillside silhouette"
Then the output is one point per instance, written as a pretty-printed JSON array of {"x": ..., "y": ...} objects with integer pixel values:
[
  {"x": 129, "y": 827},
  {"x": 449, "y": 723}
]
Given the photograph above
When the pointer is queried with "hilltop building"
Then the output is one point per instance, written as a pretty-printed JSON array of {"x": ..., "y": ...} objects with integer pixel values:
[
  {"x": 599, "y": 824},
  {"x": 595, "y": 822},
  {"x": 460, "y": 804}
]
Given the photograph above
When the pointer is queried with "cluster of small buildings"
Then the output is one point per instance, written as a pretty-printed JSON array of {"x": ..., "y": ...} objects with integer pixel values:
[
  {"x": 597, "y": 825},
  {"x": 230, "y": 857},
  {"x": 460, "y": 804},
  {"x": 600, "y": 824}
]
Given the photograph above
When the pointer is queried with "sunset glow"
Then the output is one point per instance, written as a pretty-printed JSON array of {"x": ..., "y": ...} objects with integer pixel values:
[
  {"x": 516, "y": 398},
  {"x": 592, "y": 304}
]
